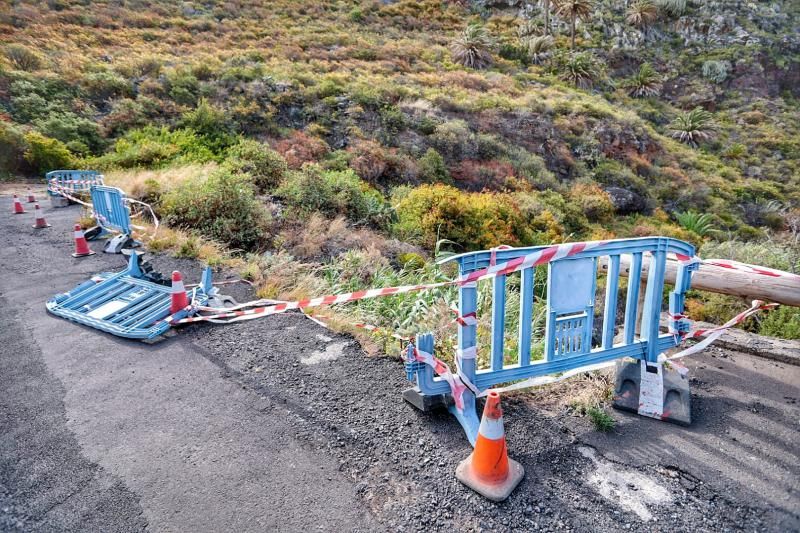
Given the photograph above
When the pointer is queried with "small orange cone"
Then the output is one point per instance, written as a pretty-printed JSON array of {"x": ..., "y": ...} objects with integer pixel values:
[
  {"x": 40, "y": 221},
  {"x": 179, "y": 298},
  {"x": 488, "y": 470},
  {"x": 31, "y": 197},
  {"x": 81, "y": 246},
  {"x": 18, "y": 209}
]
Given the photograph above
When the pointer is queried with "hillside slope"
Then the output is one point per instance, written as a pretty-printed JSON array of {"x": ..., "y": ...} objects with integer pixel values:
[{"x": 667, "y": 117}]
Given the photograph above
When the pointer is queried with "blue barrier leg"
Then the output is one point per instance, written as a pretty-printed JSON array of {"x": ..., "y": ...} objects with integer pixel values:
[{"x": 467, "y": 343}]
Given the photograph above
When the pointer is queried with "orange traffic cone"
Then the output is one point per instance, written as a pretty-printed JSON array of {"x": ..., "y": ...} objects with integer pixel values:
[
  {"x": 18, "y": 209},
  {"x": 179, "y": 298},
  {"x": 40, "y": 221},
  {"x": 31, "y": 197},
  {"x": 81, "y": 246},
  {"x": 488, "y": 470}
]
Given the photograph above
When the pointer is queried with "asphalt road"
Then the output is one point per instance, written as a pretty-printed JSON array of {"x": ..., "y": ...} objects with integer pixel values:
[{"x": 279, "y": 424}]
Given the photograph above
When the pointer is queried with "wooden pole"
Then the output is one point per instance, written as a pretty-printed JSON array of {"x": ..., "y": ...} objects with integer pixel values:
[{"x": 711, "y": 278}]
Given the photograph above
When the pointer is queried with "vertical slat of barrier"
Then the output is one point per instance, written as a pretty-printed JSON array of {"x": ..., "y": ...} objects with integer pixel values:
[
  {"x": 467, "y": 342},
  {"x": 498, "y": 321},
  {"x": 652, "y": 304},
  {"x": 525, "y": 316},
  {"x": 610, "y": 308},
  {"x": 634, "y": 279}
]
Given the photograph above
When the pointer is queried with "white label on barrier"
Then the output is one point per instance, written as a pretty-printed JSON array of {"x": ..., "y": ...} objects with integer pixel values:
[
  {"x": 107, "y": 309},
  {"x": 651, "y": 390}
]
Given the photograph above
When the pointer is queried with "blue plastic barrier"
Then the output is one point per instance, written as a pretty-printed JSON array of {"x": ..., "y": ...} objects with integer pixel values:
[
  {"x": 126, "y": 304},
  {"x": 71, "y": 182},
  {"x": 112, "y": 215},
  {"x": 570, "y": 315}
]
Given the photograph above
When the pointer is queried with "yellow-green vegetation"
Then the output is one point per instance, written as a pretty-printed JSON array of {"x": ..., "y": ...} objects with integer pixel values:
[{"x": 314, "y": 130}]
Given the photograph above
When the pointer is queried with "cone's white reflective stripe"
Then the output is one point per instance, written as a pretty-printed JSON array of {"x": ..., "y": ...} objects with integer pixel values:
[
  {"x": 177, "y": 287},
  {"x": 492, "y": 428},
  {"x": 78, "y": 234}
]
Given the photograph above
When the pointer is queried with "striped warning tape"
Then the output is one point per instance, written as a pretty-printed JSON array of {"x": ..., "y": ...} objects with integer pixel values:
[{"x": 540, "y": 257}]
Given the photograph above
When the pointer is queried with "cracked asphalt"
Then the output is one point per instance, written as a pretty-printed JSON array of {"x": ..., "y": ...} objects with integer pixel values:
[{"x": 279, "y": 424}]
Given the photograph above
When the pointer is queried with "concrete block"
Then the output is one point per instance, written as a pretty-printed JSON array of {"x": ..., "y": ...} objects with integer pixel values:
[
  {"x": 59, "y": 201},
  {"x": 677, "y": 400}
]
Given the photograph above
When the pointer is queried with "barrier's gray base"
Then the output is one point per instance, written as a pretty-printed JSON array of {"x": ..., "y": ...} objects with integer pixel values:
[
  {"x": 119, "y": 243},
  {"x": 59, "y": 201},
  {"x": 677, "y": 404},
  {"x": 424, "y": 402}
]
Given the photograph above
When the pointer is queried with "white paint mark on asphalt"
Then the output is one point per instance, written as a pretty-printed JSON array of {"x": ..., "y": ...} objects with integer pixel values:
[
  {"x": 331, "y": 352},
  {"x": 324, "y": 338},
  {"x": 629, "y": 489}
]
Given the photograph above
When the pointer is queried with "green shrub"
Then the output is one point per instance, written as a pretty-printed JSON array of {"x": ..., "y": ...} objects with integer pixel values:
[
  {"x": 45, "y": 154},
  {"x": 432, "y": 168},
  {"x": 211, "y": 125},
  {"x": 472, "y": 220},
  {"x": 223, "y": 207},
  {"x": 103, "y": 85},
  {"x": 783, "y": 322},
  {"x": 716, "y": 71},
  {"x": 13, "y": 147},
  {"x": 23, "y": 57},
  {"x": 156, "y": 147},
  {"x": 265, "y": 166},
  {"x": 80, "y": 134},
  {"x": 454, "y": 140},
  {"x": 601, "y": 420},
  {"x": 332, "y": 193}
]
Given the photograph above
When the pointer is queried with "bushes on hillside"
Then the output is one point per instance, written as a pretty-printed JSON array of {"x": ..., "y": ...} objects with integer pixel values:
[
  {"x": 45, "y": 154},
  {"x": 302, "y": 148},
  {"x": 222, "y": 206},
  {"x": 265, "y": 166},
  {"x": 12, "y": 151},
  {"x": 332, "y": 193},
  {"x": 472, "y": 220},
  {"x": 156, "y": 147}
]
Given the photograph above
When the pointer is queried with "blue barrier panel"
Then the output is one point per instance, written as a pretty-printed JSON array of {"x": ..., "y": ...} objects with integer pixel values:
[
  {"x": 112, "y": 214},
  {"x": 71, "y": 181},
  {"x": 570, "y": 340},
  {"x": 126, "y": 304}
]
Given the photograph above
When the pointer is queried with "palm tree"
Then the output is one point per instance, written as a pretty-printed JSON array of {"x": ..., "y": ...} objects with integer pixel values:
[
  {"x": 472, "y": 47},
  {"x": 692, "y": 126},
  {"x": 580, "y": 69},
  {"x": 573, "y": 9},
  {"x": 538, "y": 48},
  {"x": 546, "y": 9},
  {"x": 641, "y": 14},
  {"x": 646, "y": 82},
  {"x": 701, "y": 224}
]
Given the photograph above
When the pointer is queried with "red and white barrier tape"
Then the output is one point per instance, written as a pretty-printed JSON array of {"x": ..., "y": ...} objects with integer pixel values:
[{"x": 458, "y": 382}]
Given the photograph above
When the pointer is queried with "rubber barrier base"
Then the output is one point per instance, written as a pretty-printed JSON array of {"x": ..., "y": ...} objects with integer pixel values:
[
  {"x": 425, "y": 402},
  {"x": 676, "y": 399}
]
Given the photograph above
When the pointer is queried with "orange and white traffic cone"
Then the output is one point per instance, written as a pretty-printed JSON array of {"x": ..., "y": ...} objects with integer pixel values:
[
  {"x": 40, "y": 221},
  {"x": 488, "y": 470},
  {"x": 81, "y": 246},
  {"x": 18, "y": 209},
  {"x": 31, "y": 197},
  {"x": 179, "y": 298}
]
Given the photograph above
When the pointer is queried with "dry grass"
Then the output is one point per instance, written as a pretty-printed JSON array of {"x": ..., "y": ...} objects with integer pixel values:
[{"x": 141, "y": 184}]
